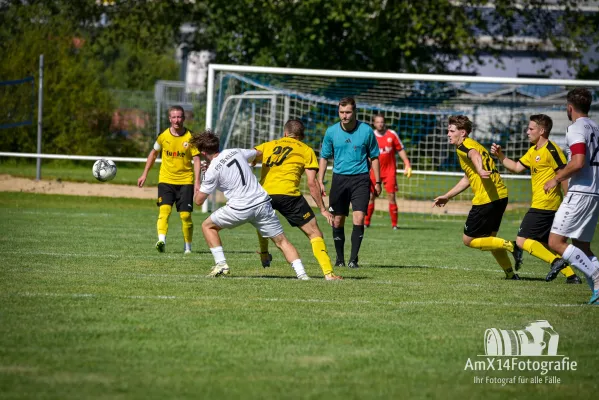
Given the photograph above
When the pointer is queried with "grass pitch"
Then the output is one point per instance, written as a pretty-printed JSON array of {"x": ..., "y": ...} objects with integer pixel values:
[{"x": 89, "y": 309}]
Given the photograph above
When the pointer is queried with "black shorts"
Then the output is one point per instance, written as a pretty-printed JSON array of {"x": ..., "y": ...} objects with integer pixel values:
[
  {"x": 485, "y": 219},
  {"x": 294, "y": 208},
  {"x": 346, "y": 189},
  {"x": 182, "y": 195},
  {"x": 536, "y": 225}
]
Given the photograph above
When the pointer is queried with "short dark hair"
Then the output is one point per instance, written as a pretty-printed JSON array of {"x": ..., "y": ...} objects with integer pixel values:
[
  {"x": 461, "y": 122},
  {"x": 544, "y": 121},
  {"x": 175, "y": 108},
  {"x": 581, "y": 99},
  {"x": 347, "y": 101},
  {"x": 295, "y": 128},
  {"x": 378, "y": 115},
  {"x": 206, "y": 141}
]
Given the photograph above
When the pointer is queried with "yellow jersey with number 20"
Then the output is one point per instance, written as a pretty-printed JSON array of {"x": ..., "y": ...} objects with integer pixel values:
[{"x": 283, "y": 163}]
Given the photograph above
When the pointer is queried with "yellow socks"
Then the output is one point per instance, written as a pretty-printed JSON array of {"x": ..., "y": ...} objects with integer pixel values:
[
  {"x": 492, "y": 243},
  {"x": 504, "y": 262},
  {"x": 186, "y": 225},
  {"x": 319, "y": 248},
  {"x": 541, "y": 252},
  {"x": 163, "y": 214}
]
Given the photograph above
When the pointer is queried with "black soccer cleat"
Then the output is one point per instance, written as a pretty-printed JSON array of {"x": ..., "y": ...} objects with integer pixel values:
[
  {"x": 353, "y": 264},
  {"x": 556, "y": 266},
  {"x": 573, "y": 280},
  {"x": 514, "y": 277},
  {"x": 339, "y": 263},
  {"x": 517, "y": 253}
]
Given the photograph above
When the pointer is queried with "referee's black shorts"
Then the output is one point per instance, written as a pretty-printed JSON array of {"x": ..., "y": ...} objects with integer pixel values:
[
  {"x": 485, "y": 219},
  {"x": 294, "y": 208},
  {"x": 536, "y": 225},
  {"x": 181, "y": 195},
  {"x": 346, "y": 189}
]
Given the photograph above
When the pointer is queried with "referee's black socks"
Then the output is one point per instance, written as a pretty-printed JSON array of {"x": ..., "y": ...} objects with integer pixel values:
[
  {"x": 356, "y": 241},
  {"x": 339, "y": 240}
]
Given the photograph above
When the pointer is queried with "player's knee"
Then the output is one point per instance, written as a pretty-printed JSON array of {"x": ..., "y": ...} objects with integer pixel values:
[
  {"x": 520, "y": 241},
  {"x": 185, "y": 216},
  {"x": 466, "y": 240},
  {"x": 164, "y": 211}
]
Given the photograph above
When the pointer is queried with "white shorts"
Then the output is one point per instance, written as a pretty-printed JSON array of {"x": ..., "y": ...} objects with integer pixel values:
[
  {"x": 577, "y": 217},
  {"x": 263, "y": 218}
]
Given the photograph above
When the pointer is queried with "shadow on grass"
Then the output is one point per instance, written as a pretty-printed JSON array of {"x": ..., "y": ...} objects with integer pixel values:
[{"x": 356, "y": 278}]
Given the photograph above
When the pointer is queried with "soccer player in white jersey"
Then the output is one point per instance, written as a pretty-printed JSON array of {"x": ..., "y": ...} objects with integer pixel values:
[
  {"x": 577, "y": 216},
  {"x": 229, "y": 172}
]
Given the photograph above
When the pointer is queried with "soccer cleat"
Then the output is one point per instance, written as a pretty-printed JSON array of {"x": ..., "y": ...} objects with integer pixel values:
[
  {"x": 395, "y": 228},
  {"x": 218, "y": 270},
  {"x": 160, "y": 246},
  {"x": 265, "y": 259},
  {"x": 353, "y": 264},
  {"x": 332, "y": 277},
  {"x": 339, "y": 263},
  {"x": 556, "y": 266},
  {"x": 303, "y": 277},
  {"x": 514, "y": 277},
  {"x": 187, "y": 251},
  {"x": 573, "y": 279},
  {"x": 366, "y": 225},
  {"x": 517, "y": 253},
  {"x": 594, "y": 297}
]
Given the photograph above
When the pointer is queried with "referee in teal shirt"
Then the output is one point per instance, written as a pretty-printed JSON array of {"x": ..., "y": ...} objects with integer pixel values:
[{"x": 351, "y": 143}]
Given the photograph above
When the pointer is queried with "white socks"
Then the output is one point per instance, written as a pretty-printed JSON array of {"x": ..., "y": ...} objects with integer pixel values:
[
  {"x": 218, "y": 254},
  {"x": 298, "y": 267},
  {"x": 187, "y": 246},
  {"x": 162, "y": 238},
  {"x": 578, "y": 259}
]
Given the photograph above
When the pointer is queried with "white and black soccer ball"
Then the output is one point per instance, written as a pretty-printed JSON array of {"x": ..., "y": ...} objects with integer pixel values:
[{"x": 104, "y": 170}]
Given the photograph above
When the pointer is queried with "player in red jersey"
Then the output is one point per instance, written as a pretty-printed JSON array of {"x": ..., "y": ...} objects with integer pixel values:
[{"x": 389, "y": 144}]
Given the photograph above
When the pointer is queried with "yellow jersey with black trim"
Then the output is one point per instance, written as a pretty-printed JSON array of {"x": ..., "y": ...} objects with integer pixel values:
[
  {"x": 176, "y": 154},
  {"x": 543, "y": 164},
  {"x": 283, "y": 163},
  {"x": 485, "y": 190}
]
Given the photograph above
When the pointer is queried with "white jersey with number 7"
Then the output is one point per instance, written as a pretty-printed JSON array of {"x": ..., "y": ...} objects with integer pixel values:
[
  {"x": 586, "y": 131},
  {"x": 230, "y": 173}
]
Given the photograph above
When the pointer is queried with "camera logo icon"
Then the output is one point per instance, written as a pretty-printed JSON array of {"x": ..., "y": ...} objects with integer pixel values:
[{"x": 536, "y": 339}]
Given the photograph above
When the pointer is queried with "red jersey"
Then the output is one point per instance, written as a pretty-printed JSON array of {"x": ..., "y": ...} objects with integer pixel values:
[{"x": 389, "y": 145}]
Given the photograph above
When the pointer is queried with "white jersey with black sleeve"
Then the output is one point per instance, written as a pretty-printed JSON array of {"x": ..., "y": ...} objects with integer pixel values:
[
  {"x": 586, "y": 181},
  {"x": 230, "y": 173}
]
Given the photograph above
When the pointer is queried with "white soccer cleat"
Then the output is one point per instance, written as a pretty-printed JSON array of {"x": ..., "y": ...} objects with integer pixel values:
[
  {"x": 303, "y": 277},
  {"x": 187, "y": 251},
  {"x": 218, "y": 270}
]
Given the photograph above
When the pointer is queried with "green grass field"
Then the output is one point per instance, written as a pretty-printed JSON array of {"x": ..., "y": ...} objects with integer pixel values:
[{"x": 89, "y": 309}]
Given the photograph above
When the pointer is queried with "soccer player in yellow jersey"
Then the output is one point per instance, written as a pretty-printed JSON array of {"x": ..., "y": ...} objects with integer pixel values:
[
  {"x": 490, "y": 195},
  {"x": 543, "y": 160},
  {"x": 283, "y": 163},
  {"x": 178, "y": 179}
]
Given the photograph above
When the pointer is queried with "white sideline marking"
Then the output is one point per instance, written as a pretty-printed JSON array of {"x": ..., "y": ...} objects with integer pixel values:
[{"x": 283, "y": 300}]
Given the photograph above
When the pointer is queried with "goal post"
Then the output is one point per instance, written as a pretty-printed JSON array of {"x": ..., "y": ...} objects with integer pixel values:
[{"x": 248, "y": 105}]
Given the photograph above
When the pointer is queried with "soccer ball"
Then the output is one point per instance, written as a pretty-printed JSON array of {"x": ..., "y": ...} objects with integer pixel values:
[{"x": 104, "y": 170}]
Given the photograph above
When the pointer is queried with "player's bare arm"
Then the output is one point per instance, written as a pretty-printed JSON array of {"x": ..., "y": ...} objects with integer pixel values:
[
  {"x": 149, "y": 163},
  {"x": 511, "y": 165},
  {"x": 258, "y": 158},
  {"x": 322, "y": 169},
  {"x": 462, "y": 185},
  {"x": 316, "y": 194},
  {"x": 200, "y": 197},
  {"x": 575, "y": 164},
  {"x": 407, "y": 167},
  {"x": 477, "y": 160},
  {"x": 376, "y": 168}
]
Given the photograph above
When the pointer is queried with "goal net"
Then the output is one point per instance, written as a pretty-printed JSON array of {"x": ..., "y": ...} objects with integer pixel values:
[{"x": 249, "y": 105}]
